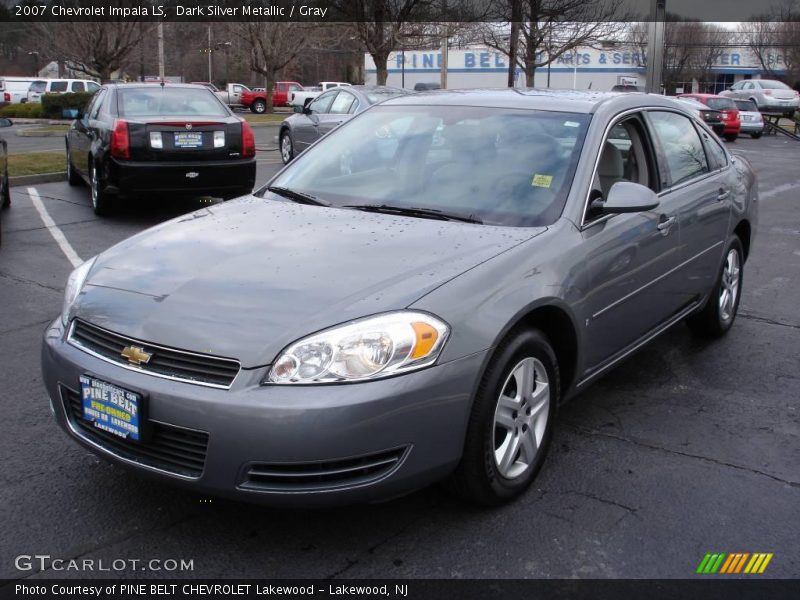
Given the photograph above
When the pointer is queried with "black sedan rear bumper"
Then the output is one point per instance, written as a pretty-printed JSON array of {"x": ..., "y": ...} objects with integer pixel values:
[{"x": 190, "y": 178}]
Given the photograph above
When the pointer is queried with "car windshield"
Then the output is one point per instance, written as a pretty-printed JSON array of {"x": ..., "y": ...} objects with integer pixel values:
[
  {"x": 773, "y": 85},
  {"x": 156, "y": 101},
  {"x": 746, "y": 105},
  {"x": 497, "y": 166},
  {"x": 720, "y": 103},
  {"x": 38, "y": 87}
]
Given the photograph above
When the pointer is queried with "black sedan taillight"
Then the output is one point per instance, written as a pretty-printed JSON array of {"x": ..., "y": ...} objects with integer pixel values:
[{"x": 120, "y": 141}]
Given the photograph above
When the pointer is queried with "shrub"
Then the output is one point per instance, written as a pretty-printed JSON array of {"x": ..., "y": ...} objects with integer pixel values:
[
  {"x": 22, "y": 111},
  {"x": 53, "y": 104}
]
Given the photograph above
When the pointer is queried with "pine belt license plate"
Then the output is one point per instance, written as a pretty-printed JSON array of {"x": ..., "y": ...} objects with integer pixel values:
[
  {"x": 111, "y": 408},
  {"x": 188, "y": 139}
]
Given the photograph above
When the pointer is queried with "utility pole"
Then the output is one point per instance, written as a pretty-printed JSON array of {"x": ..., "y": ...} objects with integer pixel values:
[
  {"x": 161, "y": 50},
  {"x": 516, "y": 17},
  {"x": 655, "y": 46},
  {"x": 443, "y": 75},
  {"x": 210, "y": 49}
]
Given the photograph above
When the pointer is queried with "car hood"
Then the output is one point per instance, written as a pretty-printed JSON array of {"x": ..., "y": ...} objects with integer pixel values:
[{"x": 245, "y": 278}]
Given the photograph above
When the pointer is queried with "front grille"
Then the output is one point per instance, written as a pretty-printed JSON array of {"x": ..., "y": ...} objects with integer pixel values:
[
  {"x": 168, "y": 448},
  {"x": 322, "y": 475},
  {"x": 164, "y": 362}
]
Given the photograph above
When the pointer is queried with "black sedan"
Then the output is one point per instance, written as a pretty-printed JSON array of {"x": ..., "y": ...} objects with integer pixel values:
[
  {"x": 326, "y": 112},
  {"x": 5, "y": 191},
  {"x": 138, "y": 139},
  {"x": 711, "y": 117}
]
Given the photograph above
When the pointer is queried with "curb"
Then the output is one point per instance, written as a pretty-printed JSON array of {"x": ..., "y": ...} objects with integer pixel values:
[
  {"x": 34, "y": 179},
  {"x": 40, "y": 134}
]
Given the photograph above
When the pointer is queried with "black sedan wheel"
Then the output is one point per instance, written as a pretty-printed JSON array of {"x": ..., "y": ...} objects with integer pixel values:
[
  {"x": 723, "y": 303},
  {"x": 5, "y": 192},
  {"x": 286, "y": 147},
  {"x": 259, "y": 107},
  {"x": 511, "y": 423},
  {"x": 100, "y": 199},
  {"x": 73, "y": 178}
]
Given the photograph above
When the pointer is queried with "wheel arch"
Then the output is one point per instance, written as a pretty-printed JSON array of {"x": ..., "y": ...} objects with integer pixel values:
[{"x": 744, "y": 232}]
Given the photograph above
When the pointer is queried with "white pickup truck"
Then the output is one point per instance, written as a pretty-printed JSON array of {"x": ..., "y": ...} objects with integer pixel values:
[
  {"x": 231, "y": 95},
  {"x": 302, "y": 98}
]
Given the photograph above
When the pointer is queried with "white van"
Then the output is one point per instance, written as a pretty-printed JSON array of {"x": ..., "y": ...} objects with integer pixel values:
[
  {"x": 59, "y": 86},
  {"x": 16, "y": 88}
]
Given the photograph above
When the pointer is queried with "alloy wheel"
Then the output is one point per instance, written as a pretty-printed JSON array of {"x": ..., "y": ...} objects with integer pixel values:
[
  {"x": 520, "y": 419},
  {"x": 729, "y": 288},
  {"x": 286, "y": 148},
  {"x": 94, "y": 188}
]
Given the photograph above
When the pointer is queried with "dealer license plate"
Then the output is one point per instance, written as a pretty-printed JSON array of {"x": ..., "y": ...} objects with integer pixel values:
[
  {"x": 110, "y": 408},
  {"x": 747, "y": 118},
  {"x": 189, "y": 140}
]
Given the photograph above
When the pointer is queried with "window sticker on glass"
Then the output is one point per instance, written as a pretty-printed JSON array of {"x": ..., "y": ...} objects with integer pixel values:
[
  {"x": 571, "y": 124},
  {"x": 544, "y": 181}
]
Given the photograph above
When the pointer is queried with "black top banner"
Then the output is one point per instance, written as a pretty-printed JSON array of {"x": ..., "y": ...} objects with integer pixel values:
[{"x": 390, "y": 10}]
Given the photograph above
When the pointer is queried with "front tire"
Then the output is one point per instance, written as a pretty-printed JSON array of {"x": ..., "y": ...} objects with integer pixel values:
[
  {"x": 101, "y": 202},
  {"x": 719, "y": 313},
  {"x": 259, "y": 107},
  {"x": 286, "y": 146},
  {"x": 511, "y": 423},
  {"x": 731, "y": 137}
]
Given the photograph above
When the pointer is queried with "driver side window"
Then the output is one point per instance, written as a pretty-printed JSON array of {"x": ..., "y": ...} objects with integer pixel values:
[
  {"x": 624, "y": 156},
  {"x": 323, "y": 103}
]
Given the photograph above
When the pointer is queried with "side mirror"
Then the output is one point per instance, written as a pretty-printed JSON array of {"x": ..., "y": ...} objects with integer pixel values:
[
  {"x": 71, "y": 113},
  {"x": 6, "y": 122},
  {"x": 627, "y": 197},
  {"x": 297, "y": 108}
]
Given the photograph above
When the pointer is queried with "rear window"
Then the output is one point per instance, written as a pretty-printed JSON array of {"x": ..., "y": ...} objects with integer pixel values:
[
  {"x": 38, "y": 86},
  {"x": 58, "y": 86},
  {"x": 720, "y": 103},
  {"x": 768, "y": 84},
  {"x": 158, "y": 101},
  {"x": 746, "y": 105}
]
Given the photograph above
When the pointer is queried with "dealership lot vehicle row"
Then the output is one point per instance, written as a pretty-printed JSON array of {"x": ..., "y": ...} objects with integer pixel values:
[{"x": 688, "y": 448}]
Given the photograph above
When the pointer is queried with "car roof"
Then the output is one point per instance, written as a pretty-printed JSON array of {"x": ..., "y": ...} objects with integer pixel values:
[
  {"x": 149, "y": 85},
  {"x": 699, "y": 95},
  {"x": 576, "y": 101}
]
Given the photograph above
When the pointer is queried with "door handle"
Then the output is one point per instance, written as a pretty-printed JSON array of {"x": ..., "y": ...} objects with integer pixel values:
[
  {"x": 723, "y": 194},
  {"x": 665, "y": 224}
]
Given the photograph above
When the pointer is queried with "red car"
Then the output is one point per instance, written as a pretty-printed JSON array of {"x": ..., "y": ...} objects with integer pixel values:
[
  {"x": 257, "y": 101},
  {"x": 730, "y": 114}
]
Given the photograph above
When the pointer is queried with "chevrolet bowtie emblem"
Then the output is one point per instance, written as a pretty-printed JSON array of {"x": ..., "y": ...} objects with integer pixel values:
[
  {"x": 136, "y": 355},
  {"x": 188, "y": 126}
]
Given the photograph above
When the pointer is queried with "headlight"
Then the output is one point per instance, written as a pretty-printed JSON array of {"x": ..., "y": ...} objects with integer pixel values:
[
  {"x": 365, "y": 349},
  {"x": 74, "y": 287}
]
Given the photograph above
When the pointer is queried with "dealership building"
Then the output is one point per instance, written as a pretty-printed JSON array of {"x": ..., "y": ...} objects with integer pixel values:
[{"x": 585, "y": 68}]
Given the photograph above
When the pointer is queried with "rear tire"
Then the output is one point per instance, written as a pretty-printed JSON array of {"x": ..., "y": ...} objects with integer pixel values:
[
  {"x": 719, "y": 313},
  {"x": 73, "y": 178},
  {"x": 259, "y": 107},
  {"x": 731, "y": 137},
  {"x": 101, "y": 201},
  {"x": 5, "y": 193},
  {"x": 756, "y": 135},
  {"x": 286, "y": 146},
  {"x": 511, "y": 422}
]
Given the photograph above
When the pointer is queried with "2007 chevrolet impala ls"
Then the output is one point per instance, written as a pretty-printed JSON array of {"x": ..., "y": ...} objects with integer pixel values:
[{"x": 408, "y": 301}]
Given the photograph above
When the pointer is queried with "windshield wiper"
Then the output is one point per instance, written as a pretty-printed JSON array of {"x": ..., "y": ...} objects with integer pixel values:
[
  {"x": 425, "y": 213},
  {"x": 295, "y": 196}
]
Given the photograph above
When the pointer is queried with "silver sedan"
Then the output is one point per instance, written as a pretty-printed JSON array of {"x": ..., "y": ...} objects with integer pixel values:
[
  {"x": 769, "y": 95},
  {"x": 359, "y": 329}
]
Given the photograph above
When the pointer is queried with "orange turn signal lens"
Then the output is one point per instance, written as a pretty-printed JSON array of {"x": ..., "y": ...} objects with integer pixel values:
[{"x": 426, "y": 337}]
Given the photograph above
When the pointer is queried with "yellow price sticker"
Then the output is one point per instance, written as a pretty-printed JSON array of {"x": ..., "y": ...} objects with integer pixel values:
[{"x": 542, "y": 180}]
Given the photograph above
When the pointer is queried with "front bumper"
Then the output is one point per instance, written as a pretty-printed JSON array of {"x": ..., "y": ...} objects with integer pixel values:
[
  {"x": 418, "y": 418},
  {"x": 206, "y": 178}
]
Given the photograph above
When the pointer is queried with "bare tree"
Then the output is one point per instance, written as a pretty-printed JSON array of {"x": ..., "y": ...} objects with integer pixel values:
[
  {"x": 273, "y": 46},
  {"x": 378, "y": 25},
  {"x": 94, "y": 48},
  {"x": 549, "y": 29},
  {"x": 774, "y": 40}
]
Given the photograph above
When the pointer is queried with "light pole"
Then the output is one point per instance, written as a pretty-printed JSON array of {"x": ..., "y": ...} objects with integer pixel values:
[{"x": 35, "y": 56}]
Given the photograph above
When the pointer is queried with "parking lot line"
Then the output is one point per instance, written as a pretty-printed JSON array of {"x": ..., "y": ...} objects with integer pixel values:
[{"x": 51, "y": 226}]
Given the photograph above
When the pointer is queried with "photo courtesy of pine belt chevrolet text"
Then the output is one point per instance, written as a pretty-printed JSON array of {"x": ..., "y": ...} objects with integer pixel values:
[{"x": 408, "y": 301}]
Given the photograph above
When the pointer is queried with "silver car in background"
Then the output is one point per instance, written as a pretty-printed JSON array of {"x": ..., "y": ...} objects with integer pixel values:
[
  {"x": 405, "y": 302},
  {"x": 769, "y": 95},
  {"x": 750, "y": 116}
]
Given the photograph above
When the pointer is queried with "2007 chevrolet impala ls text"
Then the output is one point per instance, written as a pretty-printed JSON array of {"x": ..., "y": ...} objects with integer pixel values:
[{"x": 408, "y": 301}]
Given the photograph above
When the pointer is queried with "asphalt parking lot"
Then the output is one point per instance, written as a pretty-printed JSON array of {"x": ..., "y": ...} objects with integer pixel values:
[{"x": 689, "y": 447}]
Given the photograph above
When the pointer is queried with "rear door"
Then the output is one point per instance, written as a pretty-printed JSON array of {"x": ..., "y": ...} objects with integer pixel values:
[
  {"x": 81, "y": 135},
  {"x": 697, "y": 187}
]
